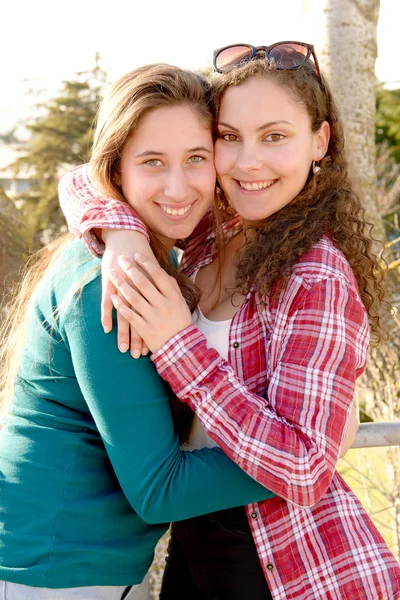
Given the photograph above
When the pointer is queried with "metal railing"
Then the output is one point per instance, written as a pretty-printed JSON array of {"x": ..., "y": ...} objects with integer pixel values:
[{"x": 381, "y": 433}]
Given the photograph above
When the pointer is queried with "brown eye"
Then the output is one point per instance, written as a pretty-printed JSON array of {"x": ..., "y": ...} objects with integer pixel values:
[
  {"x": 274, "y": 137},
  {"x": 230, "y": 137}
]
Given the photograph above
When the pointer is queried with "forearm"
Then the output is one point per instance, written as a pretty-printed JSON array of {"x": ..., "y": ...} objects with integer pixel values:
[
  {"x": 290, "y": 440},
  {"x": 129, "y": 404},
  {"x": 300, "y": 476},
  {"x": 126, "y": 242}
]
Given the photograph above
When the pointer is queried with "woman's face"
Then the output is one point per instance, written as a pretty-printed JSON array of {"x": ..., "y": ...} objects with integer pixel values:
[
  {"x": 167, "y": 171},
  {"x": 265, "y": 147}
]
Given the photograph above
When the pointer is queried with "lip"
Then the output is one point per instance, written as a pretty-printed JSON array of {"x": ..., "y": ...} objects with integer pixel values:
[
  {"x": 176, "y": 207},
  {"x": 255, "y": 192}
]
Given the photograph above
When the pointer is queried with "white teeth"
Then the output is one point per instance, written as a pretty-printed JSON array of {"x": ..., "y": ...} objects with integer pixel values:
[
  {"x": 260, "y": 185},
  {"x": 175, "y": 211}
]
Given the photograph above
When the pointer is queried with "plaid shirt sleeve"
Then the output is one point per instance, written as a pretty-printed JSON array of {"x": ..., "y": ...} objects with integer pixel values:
[
  {"x": 87, "y": 210},
  {"x": 289, "y": 441}
]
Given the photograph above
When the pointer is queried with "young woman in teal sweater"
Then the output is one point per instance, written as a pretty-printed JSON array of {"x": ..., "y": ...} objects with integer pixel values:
[{"x": 90, "y": 464}]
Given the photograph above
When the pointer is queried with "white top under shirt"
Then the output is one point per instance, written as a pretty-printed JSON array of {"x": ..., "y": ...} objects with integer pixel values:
[{"x": 217, "y": 335}]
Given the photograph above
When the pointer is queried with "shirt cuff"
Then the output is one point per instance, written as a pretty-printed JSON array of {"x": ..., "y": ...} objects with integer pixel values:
[
  {"x": 94, "y": 222},
  {"x": 184, "y": 360}
]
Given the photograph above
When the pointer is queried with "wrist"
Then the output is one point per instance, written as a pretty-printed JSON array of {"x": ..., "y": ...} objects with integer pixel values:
[{"x": 126, "y": 241}]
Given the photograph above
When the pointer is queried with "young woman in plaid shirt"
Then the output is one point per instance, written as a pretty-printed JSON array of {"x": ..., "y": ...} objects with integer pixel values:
[{"x": 286, "y": 264}]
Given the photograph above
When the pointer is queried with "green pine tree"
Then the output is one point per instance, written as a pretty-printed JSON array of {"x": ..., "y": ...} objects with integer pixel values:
[
  {"x": 61, "y": 137},
  {"x": 388, "y": 120}
]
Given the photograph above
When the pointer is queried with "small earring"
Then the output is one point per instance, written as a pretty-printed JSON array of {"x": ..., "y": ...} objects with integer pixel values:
[{"x": 315, "y": 167}]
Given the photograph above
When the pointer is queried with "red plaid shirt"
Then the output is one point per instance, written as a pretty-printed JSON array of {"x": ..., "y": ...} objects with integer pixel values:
[{"x": 278, "y": 408}]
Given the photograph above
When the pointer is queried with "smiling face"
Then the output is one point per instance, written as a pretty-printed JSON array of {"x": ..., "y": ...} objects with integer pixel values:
[
  {"x": 265, "y": 147},
  {"x": 167, "y": 172}
]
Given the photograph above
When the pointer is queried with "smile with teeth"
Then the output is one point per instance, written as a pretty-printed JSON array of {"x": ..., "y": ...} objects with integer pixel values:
[
  {"x": 176, "y": 212},
  {"x": 251, "y": 186}
]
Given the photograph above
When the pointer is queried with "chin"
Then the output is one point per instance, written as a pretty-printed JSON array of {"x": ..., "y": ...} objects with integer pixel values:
[
  {"x": 252, "y": 217},
  {"x": 181, "y": 233}
]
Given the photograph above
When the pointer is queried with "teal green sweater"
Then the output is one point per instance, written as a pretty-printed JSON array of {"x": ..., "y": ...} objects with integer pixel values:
[{"x": 90, "y": 466}]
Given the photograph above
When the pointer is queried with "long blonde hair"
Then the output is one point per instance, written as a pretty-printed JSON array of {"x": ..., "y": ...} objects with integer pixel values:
[
  {"x": 16, "y": 311},
  {"x": 131, "y": 98}
]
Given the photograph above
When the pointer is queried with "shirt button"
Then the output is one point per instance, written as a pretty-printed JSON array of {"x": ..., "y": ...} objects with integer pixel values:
[
  {"x": 270, "y": 567},
  {"x": 236, "y": 345},
  {"x": 254, "y": 515}
]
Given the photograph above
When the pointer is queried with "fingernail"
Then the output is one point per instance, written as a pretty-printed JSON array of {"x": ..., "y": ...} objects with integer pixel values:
[
  {"x": 123, "y": 347},
  {"x": 106, "y": 329},
  {"x": 135, "y": 353},
  {"x": 145, "y": 352},
  {"x": 138, "y": 256}
]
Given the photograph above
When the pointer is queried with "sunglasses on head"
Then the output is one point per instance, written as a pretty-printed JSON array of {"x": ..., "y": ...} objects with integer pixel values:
[{"x": 286, "y": 55}]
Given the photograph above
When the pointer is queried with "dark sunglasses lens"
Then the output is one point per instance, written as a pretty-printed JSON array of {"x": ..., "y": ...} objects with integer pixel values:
[
  {"x": 288, "y": 56},
  {"x": 232, "y": 57}
]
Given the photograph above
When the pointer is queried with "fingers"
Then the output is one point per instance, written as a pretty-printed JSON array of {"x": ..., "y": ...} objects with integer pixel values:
[
  {"x": 129, "y": 294},
  {"x": 145, "y": 349},
  {"x": 132, "y": 317},
  {"x": 123, "y": 333},
  {"x": 127, "y": 336},
  {"x": 108, "y": 288},
  {"x": 136, "y": 343},
  {"x": 147, "y": 276}
]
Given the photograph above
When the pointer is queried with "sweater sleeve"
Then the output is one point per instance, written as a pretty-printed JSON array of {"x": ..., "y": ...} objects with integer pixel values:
[
  {"x": 290, "y": 440},
  {"x": 130, "y": 406}
]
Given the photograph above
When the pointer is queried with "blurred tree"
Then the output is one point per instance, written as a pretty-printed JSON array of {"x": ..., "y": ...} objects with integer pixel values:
[
  {"x": 60, "y": 137},
  {"x": 14, "y": 242},
  {"x": 9, "y": 137},
  {"x": 347, "y": 49},
  {"x": 388, "y": 120}
]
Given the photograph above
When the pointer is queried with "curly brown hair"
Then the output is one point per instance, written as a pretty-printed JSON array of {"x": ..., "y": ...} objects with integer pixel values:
[{"x": 326, "y": 204}]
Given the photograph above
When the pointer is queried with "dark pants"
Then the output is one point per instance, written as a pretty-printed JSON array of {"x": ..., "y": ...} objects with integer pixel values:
[{"x": 213, "y": 557}]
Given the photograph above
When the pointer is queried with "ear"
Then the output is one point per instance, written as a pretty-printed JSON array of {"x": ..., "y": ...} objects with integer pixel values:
[
  {"x": 117, "y": 177},
  {"x": 322, "y": 138}
]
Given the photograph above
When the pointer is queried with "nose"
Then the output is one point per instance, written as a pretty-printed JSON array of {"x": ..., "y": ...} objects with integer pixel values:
[
  {"x": 176, "y": 185},
  {"x": 248, "y": 158}
]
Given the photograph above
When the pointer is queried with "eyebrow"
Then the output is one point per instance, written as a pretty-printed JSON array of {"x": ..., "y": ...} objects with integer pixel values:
[
  {"x": 189, "y": 151},
  {"x": 265, "y": 126}
]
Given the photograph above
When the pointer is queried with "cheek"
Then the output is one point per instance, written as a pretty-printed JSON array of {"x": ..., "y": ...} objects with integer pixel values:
[
  {"x": 210, "y": 180},
  {"x": 224, "y": 158},
  {"x": 137, "y": 187},
  {"x": 203, "y": 181},
  {"x": 290, "y": 161}
]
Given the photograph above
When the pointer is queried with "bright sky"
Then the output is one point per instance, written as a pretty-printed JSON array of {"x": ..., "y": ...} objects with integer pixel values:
[{"x": 47, "y": 41}]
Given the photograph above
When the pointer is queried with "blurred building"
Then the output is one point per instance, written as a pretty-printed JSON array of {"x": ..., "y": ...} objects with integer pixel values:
[{"x": 13, "y": 184}]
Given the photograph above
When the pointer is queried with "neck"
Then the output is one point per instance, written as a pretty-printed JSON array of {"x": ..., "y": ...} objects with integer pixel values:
[{"x": 167, "y": 243}]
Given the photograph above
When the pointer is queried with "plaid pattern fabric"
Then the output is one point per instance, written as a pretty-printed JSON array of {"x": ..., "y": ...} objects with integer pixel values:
[{"x": 278, "y": 408}]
